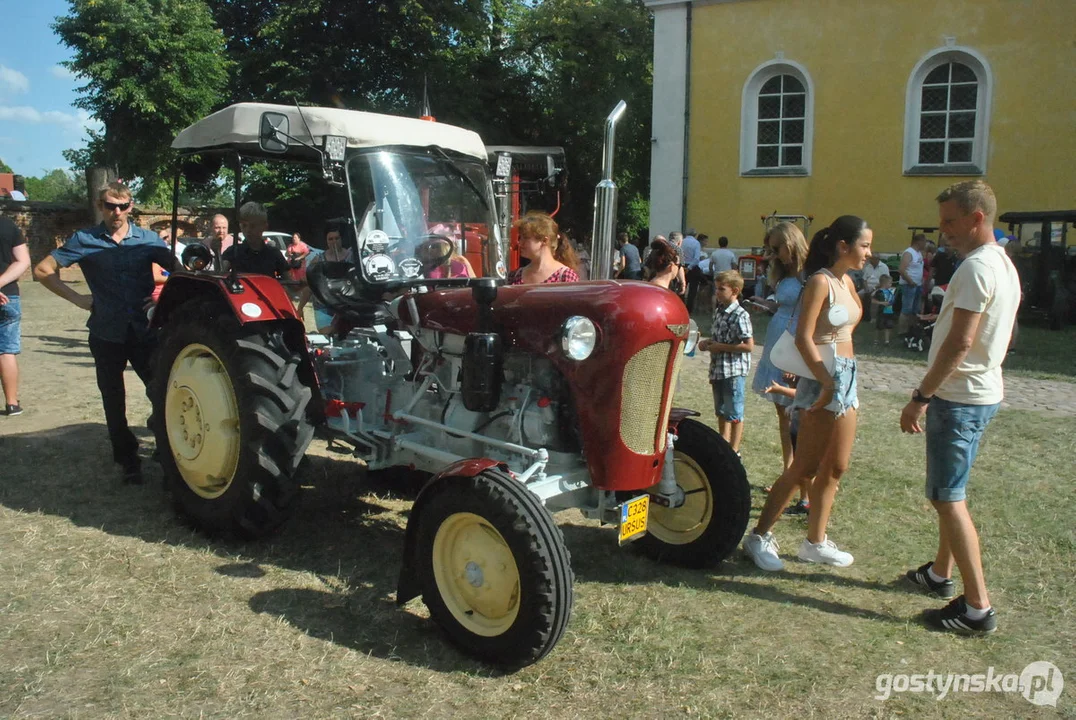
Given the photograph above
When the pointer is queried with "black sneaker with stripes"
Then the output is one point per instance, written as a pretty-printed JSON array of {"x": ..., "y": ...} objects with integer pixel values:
[
  {"x": 954, "y": 618},
  {"x": 919, "y": 576}
]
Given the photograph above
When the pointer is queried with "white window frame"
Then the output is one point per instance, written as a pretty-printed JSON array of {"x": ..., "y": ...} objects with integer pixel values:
[
  {"x": 749, "y": 119},
  {"x": 913, "y": 111}
]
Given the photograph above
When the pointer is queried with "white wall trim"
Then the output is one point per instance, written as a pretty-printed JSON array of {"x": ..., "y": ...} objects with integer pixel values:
[
  {"x": 913, "y": 105},
  {"x": 668, "y": 137},
  {"x": 749, "y": 112}
]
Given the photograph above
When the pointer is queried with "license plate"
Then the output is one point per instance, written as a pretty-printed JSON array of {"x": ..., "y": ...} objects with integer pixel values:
[{"x": 633, "y": 516}]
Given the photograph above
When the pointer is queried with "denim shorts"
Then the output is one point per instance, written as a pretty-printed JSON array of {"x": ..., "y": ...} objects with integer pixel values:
[
  {"x": 953, "y": 433},
  {"x": 729, "y": 397},
  {"x": 323, "y": 318},
  {"x": 10, "y": 319},
  {"x": 808, "y": 390},
  {"x": 909, "y": 299}
]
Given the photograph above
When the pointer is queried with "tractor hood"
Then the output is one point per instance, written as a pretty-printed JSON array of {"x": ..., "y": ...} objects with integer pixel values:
[
  {"x": 628, "y": 315},
  {"x": 622, "y": 391}
]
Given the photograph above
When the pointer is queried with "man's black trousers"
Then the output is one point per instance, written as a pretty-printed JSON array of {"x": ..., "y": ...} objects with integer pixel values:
[{"x": 110, "y": 359}]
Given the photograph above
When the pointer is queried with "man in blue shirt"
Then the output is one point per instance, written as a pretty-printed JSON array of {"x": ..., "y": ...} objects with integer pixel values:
[
  {"x": 116, "y": 258},
  {"x": 692, "y": 248},
  {"x": 631, "y": 267}
]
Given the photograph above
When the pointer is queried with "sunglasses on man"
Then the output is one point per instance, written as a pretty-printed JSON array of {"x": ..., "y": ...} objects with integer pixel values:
[{"x": 123, "y": 206}]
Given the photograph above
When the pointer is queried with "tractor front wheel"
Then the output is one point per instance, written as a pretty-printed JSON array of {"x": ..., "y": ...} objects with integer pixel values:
[
  {"x": 230, "y": 420},
  {"x": 495, "y": 573},
  {"x": 709, "y": 525}
]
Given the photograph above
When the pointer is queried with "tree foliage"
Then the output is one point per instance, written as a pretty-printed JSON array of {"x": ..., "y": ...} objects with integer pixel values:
[
  {"x": 580, "y": 58},
  {"x": 5, "y": 168},
  {"x": 59, "y": 186},
  {"x": 152, "y": 68},
  {"x": 526, "y": 72}
]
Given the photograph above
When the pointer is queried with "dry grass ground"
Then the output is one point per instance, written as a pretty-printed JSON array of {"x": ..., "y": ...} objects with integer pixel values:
[{"x": 111, "y": 608}]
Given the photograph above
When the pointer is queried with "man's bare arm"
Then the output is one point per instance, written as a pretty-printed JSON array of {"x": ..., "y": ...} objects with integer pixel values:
[
  {"x": 46, "y": 273},
  {"x": 905, "y": 261},
  {"x": 953, "y": 350},
  {"x": 21, "y": 261}
]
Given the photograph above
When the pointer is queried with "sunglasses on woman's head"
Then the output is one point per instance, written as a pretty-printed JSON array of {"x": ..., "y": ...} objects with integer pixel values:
[{"x": 117, "y": 206}]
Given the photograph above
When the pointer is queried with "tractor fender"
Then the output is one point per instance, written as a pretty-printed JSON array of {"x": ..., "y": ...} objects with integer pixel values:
[
  {"x": 678, "y": 415},
  {"x": 409, "y": 585},
  {"x": 263, "y": 300}
]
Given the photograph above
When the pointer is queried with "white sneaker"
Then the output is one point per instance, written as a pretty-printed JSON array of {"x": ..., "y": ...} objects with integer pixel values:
[
  {"x": 825, "y": 552},
  {"x": 762, "y": 549}
]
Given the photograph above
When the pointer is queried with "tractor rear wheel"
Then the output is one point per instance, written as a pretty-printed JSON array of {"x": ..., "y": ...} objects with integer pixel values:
[
  {"x": 495, "y": 573},
  {"x": 709, "y": 525},
  {"x": 231, "y": 422}
]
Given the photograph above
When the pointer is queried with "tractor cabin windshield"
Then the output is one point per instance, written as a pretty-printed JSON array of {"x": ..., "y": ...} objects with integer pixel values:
[{"x": 418, "y": 215}]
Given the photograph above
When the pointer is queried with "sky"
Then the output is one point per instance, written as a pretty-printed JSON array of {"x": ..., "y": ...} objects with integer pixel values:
[{"x": 37, "y": 118}]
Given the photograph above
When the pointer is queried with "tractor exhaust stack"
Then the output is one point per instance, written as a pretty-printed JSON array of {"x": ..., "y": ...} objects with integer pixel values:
[{"x": 601, "y": 252}]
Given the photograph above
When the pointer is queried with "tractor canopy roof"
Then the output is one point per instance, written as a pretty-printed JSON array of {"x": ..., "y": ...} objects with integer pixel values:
[
  {"x": 1024, "y": 218},
  {"x": 239, "y": 127}
]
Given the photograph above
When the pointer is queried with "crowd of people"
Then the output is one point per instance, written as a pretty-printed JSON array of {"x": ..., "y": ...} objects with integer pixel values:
[
  {"x": 814, "y": 299},
  {"x": 817, "y": 301}
]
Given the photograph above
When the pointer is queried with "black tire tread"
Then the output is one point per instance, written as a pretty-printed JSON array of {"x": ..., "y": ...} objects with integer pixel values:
[
  {"x": 732, "y": 501},
  {"x": 544, "y": 566},
  {"x": 272, "y": 409}
]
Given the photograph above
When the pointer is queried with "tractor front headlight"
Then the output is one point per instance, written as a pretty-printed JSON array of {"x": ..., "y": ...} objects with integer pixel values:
[
  {"x": 692, "y": 338},
  {"x": 578, "y": 337}
]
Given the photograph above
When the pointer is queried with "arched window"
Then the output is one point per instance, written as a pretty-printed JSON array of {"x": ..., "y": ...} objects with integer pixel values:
[
  {"x": 776, "y": 125},
  {"x": 947, "y": 114}
]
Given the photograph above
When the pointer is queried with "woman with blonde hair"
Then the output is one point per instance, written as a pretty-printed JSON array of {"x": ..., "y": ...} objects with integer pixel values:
[
  {"x": 788, "y": 250},
  {"x": 551, "y": 259},
  {"x": 829, "y": 312}
]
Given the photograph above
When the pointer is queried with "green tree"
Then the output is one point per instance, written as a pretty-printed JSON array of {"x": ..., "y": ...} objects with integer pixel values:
[
  {"x": 5, "y": 168},
  {"x": 581, "y": 57},
  {"x": 57, "y": 186},
  {"x": 152, "y": 68}
]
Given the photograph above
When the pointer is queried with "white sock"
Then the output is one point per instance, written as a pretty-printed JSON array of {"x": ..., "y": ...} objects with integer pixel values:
[
  {"x": 975, "y": 613},
  {"x": 934, "y": 576}
]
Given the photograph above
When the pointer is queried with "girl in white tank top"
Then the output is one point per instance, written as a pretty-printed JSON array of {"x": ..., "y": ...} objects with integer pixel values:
[{"x": 827, "y": 402}]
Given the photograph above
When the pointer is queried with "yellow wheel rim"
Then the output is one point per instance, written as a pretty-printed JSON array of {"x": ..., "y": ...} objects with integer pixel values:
[
  {"x": 476, "y": 574},
  {"x": 202, "y": 421},
  {"x": 685, "y": 524}
]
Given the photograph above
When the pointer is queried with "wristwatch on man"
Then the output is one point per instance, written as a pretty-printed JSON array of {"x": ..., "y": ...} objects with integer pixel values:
[{"x": 920, "y": 397}]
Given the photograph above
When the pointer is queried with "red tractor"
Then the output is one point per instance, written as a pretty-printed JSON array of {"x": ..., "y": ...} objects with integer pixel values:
[{"x": 518, "y": 401}]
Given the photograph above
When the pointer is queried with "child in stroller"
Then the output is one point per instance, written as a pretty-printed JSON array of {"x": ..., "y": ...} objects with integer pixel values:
[{"x": 921, "y": 330}]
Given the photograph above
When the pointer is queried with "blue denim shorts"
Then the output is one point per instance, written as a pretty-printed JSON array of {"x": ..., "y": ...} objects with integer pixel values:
[
  {"x": 323, "y": 318},
  {"x": 729, "y": 397},
  {"x": 808, "y": 390},
  {"x": 10, "y": 319},
  {"x": 953, "y": 433},
  {"x": 909, "y": 299}
]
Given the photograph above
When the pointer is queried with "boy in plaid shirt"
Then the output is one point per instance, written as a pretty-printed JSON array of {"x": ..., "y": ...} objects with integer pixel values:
[{"x": 730, "y": 344}]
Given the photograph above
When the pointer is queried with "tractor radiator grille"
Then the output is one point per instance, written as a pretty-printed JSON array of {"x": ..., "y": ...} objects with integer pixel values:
[
  {"x": 662, "y": 429},
  {"x": 641, "y": 410}
]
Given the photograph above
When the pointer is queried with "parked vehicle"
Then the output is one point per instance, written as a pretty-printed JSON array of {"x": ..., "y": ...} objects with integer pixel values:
[
  {"x": 1046, "y": 262},
  {"x": 518, "y": 401}
]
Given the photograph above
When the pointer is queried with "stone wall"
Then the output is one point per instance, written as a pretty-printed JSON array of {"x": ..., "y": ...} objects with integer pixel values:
[{"x": 48, "y": 225}]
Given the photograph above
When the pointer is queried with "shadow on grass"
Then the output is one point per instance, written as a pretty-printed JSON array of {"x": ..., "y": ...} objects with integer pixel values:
[
  {"x": 354, "y": 546},
  {"x": 595, "y": 559},
  {"x": 60, "y": 341},
  {"x": 365, "y": 621},
  {"x": 345, "y": 541}
]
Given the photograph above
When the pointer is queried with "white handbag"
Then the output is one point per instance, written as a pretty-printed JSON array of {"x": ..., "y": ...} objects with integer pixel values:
[{"x": 786, "y": 356}]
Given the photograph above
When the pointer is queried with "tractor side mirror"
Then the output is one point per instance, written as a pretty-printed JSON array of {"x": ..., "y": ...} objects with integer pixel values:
[{"x": 273, "y": 133}]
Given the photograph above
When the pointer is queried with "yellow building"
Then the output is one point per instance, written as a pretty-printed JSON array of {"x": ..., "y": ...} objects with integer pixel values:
[{"x": 867, "y": 107}]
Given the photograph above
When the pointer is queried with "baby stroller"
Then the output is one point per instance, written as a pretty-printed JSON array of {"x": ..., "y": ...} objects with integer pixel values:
[{"x": 921, "y": 332}]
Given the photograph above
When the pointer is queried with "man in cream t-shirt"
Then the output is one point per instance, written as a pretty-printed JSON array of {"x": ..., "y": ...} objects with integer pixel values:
[{"x": 960, "y": 394}]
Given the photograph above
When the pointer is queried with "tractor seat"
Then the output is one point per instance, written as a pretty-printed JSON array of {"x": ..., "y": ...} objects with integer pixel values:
[{"x": 339, "y": 286}]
